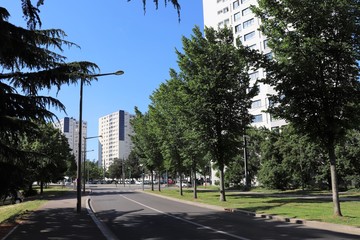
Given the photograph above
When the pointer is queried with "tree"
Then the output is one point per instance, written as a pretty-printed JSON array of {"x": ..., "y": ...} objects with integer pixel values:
[
  {"x": 167, "y": 106},
  {"x": 49, "y": 158},
  {"x": 31, "y": 12},
  {"x": 235, "y": 172},
  {"x": 134, "y": 165},
  {"x": 94, "y": 170},
  {"x": 29, "y": 66},
  {"x": 116, "y": 169},
  {"x": 316, "y": 71},
  {"x": 146, "y": 144},
  {"x": 272, "y": 173},
  {"x": 348, "y": 163},
  {"x": 215, "y": 74}
]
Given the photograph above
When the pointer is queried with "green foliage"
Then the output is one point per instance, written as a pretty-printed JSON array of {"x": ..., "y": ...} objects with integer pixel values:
[
  {"x": 31, "y": 63},
  {"x": 315, "y": 46},
  {"x": 348, "y": 153},
  {"x": 51, "y": 155},
  {"x": 116, "y": 168},
  {"x": 47, "y": 160},
  {"x": 147, "y": 146},
  {"x": 95, "y": 171},
  {"x": 289, "y": 160},
  {"x": 315, "y": 70},
  {"x": 216, "y": 83}
]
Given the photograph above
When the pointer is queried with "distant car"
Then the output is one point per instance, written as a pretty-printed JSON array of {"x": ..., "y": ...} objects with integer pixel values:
[
  {"x": 138, "y": 182},
  {"x": 184, "y": 184}
]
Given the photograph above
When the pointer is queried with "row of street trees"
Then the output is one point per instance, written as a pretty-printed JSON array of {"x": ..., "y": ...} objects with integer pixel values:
[{"x": 201, "y": 112}]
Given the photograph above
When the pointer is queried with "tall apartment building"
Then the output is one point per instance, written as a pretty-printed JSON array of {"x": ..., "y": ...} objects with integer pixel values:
[
  {"x": 115, "y": 142},
  {"x": 70, "y": 128},
  {"x": 236, "y": 14}
]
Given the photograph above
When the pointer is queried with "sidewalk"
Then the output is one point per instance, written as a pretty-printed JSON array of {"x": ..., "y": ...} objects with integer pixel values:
[{"x": 58, "y": 219}]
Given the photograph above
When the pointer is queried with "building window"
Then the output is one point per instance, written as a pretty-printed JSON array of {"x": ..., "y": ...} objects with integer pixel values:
[
  {"x": 220, "y": 12},
  {"x": 271, "y": 102},
  {"x": 265, "y": 44},
  {"x": 257, "y": 118},
  {"x": 225, "y": 10},
  {"x": 248, "y": 23},
  {"x": 256, "y": 104},
  {"x": 254, "y": 76},
  {"x": 236, "y": 4},
  {"x": 237, "y": 16},
  {"x": 226, "y": 22},
  {"x": 246, "y": 11},
  {"x": 249, "y": 36},
  {"x": 221, "y": 24},
  {"x": 238, "y": 28},
  {"x": 253, "y": 47},
  {"x": 269, "y": 55},
  {"x": 244, "y": 1}
]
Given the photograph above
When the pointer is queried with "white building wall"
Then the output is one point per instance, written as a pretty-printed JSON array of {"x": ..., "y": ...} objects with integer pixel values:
[
  {"x": 70, "y": 128},
  {"x": 237, "y": 16},
  {"x": 115, "y": 142}
]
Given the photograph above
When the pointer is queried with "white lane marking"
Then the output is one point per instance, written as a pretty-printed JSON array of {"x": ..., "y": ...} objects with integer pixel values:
[{"x": 187, "y": 221}]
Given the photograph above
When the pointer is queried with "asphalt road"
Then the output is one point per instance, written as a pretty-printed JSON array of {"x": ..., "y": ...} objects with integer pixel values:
[{"x": 132, "y": 215}]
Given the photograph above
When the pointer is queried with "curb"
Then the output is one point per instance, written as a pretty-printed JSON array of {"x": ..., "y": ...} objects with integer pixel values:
[
  {"x": 108, "y": 234},
  {"x": 313, "y": 224}
]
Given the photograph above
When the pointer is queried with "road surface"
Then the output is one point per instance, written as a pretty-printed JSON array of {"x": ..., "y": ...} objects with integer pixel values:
[{"x": 132, "y": 214}]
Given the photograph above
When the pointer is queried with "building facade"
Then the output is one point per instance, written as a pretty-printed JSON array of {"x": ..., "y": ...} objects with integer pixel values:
[
  {"x": 236, "y": 14},
  {"x": 115, "y": 142},
  {"x": 70, "y": 128}
]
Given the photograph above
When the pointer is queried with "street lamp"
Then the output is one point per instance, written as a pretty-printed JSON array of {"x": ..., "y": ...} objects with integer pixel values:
[
  {"x": 86, "y": 138},
  {"x": 78, "y": 180},
  {"x": 84, "y": 171}
]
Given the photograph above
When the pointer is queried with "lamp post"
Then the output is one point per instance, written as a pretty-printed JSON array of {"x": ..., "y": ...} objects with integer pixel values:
[
  {"x": 86, "y": 138},
  {"x": 78, "y": 180},
  {"x": 246, "y": 170},
  {"x": 84, "y": 171}
]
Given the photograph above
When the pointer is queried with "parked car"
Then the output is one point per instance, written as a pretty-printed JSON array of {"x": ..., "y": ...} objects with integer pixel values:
[
  {"x": 18, "y": 197},
  {"x": 184, "y": 184}
]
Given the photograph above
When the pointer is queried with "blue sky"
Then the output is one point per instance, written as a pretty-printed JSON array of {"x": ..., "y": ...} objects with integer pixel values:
[{"x": 116, "y": 35}]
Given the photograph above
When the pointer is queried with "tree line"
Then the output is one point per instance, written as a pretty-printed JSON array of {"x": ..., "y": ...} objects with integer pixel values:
[{"x": 200, "y": 114}]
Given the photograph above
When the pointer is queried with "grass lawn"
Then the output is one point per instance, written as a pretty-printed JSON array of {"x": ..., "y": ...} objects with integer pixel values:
[
  {"x": 292, "y": 204},
  {"x": 11, "y": 212}
]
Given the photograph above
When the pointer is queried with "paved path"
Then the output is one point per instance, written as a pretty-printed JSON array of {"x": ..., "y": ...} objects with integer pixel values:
[{"x": 58, "y": 219}]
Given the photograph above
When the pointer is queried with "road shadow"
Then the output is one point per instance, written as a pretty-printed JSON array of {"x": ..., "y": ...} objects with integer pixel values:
[
  {"x": 213, "y": 225},
  {"x": 56, "y": 223}
]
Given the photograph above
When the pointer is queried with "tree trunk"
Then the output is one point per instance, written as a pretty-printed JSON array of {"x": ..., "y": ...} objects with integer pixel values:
[
  {"x": 222, "y": 185},
  {"x": 159, "y": 183},
  {"x": 152, "y": 180},
  {"x": 41, "y": 187},
  {"x": 334, "y": 183},
  {"x": 180, "y": 184},
  {"x": 194, "y": 182}
]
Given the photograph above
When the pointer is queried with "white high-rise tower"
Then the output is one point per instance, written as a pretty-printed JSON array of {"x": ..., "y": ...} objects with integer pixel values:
[
  {"x": 115, "y": 142},
  {"x": 70, "y": 128},
  {"x": 236, "y": 14}
]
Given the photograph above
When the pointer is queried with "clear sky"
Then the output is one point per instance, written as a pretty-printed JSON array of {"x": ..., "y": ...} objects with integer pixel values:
[{"x": 116, "y": 35}]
